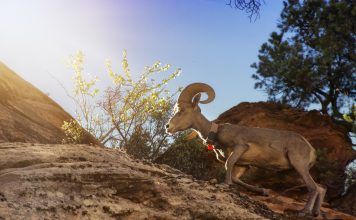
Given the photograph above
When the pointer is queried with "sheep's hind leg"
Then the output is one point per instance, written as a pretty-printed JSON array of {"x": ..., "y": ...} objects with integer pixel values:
[
  {"x": 319, "y": 201},
  {"x": 301, "y": 166},
  {"x": 237, "y": 172}
]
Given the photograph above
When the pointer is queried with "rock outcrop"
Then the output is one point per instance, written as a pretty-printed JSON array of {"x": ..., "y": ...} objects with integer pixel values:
[
  {"x": 86, "y": 182},
  {"x": 28, "y": 115},
  {"x": 42, "y": 181}
]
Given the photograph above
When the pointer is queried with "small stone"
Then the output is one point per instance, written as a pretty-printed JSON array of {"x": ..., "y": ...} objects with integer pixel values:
[
  {"x": 194, "y": 185},
  {"x": 174, "y": 181},
  {"x": 59, "y": 194},
  {"x": 213, "y": 181},
  {"x": 106, "y": 209},
  {"x": 87, "y": 202}
]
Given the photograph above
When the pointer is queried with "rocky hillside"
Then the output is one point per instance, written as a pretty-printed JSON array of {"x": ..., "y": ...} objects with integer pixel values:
[
  {"x": 27, "y": 114},
  {"x": 86, "y": 182},
  {"x": 41, "y": 181}
]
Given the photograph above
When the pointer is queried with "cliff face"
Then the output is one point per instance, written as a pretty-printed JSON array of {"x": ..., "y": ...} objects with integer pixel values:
[{"x": 27, "y": 114}]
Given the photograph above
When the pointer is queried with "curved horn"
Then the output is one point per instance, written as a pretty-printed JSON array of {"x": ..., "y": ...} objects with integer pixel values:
[{"x": 191, "y": 90}]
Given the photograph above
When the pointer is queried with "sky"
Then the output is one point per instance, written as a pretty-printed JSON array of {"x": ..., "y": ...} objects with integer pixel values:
[{"x": 208, "y": 40}]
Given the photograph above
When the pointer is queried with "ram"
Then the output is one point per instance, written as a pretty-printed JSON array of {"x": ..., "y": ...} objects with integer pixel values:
[{"x": 248, "y": 146}]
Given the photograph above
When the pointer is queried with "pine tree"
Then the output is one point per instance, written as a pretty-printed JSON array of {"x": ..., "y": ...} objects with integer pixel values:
[{"x": 312, "y": 57}]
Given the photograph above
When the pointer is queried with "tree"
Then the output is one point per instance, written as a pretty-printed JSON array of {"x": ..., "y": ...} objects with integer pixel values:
[
  {"x": 84, "y": 96},
  {"x": 143, "y": 104},
  {"x": 312, "y": 58},
  {"x": 131, "y": 114}
]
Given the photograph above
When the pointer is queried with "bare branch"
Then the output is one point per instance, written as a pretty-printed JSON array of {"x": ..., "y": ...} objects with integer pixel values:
[{"x": 251, "y": 7}]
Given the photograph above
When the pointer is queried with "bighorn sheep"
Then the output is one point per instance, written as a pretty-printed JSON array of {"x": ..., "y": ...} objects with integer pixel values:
[{"x": 248, "y": 146}]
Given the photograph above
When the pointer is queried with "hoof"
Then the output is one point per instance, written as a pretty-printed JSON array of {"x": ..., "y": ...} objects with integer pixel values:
[
  {"x": 228, "y": 182},
  {"x": 305, "y": 213},
  {"x": 316, "y": 214},
  {"x": 297, "y": 214}
]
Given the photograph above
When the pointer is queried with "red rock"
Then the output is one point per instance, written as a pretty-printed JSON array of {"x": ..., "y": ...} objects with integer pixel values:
[{"x": 28, "y": 115}]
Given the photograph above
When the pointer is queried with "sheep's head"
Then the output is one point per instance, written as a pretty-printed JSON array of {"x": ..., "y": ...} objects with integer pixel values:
[{"x": 187, "y": 110}]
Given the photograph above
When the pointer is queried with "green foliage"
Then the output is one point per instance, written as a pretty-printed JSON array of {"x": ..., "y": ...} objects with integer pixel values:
[
  {"x": 82, "y": 86},
  {"x": 351, "y": 118},
  {"x": 141, "y": 105},
  {"x": 312, "y": 58},
  {"x": 138, "y": 144},
  {"x": 192, "y": 157},
  {"x": 327, "y": 170},
  {"x": 131, "y": 113},
  {"x": 73, "y": 132},
  {"x": 84, "y": 95}
]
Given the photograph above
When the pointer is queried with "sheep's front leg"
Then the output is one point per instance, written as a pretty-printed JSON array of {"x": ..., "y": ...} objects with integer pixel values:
[{"x": 236, "y": 153}]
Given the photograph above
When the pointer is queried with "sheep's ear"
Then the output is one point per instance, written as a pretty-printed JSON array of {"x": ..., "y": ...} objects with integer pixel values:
[{"x": 196, "y": 100}]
